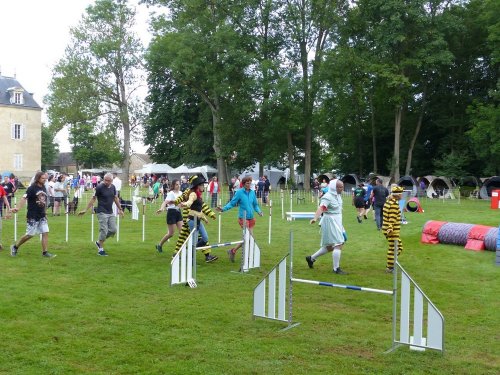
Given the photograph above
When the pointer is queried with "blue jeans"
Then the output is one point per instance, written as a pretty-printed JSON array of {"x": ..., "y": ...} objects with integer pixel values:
[
  {"x": 201, "y": 230},
  {"x": 378, "y": 216}
]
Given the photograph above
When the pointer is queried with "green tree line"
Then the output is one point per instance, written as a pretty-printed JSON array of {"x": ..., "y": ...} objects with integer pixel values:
[{"x": 386, "y": 86}]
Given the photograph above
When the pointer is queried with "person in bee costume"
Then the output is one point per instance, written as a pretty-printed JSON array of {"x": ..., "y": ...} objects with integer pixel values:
[
  {"x": 391, "y": 225},
  {"x": 184, "y": 234}
]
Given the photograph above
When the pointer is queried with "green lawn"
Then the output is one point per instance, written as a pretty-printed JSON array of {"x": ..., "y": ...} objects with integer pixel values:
[{"x": 80, "y": 313}]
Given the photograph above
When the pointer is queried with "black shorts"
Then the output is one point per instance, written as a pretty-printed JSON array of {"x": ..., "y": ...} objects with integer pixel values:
[
  {"x": 359, "y": 202},
  {"x": 368, "y": 203},
  {"x": 173, "y": 216}
]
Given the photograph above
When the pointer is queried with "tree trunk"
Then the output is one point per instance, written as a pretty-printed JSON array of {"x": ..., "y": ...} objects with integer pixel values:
[
  {"x": 125, "y": 122},
  {"x": 291, "y": 159},
  {"x": 397, "y": 139},
  {"x": 221, "y": 165},
  {"x": 215, "y": 110},
  {"x": 415, "y": 135},
  {"x": 374, "y": 137}
]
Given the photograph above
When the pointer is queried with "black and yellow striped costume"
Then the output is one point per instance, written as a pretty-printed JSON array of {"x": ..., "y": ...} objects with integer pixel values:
[
  {"x": 391, "y": 227},
  {"x": 184, "y": 234}
]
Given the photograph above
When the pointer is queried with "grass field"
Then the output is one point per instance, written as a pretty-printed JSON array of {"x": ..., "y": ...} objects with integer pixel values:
[{"x": 79, "y": 313}]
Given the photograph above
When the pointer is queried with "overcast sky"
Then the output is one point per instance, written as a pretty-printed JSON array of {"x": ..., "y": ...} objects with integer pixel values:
[{"x": 34, "y": 34}]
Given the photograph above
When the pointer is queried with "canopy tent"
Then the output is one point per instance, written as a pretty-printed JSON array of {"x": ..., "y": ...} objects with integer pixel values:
[
  {"x": 409, "y": 183},
  {"x": 351, "y": 181},
  {"x": 204, "y": 170},
  {"x": 176, "y": 173},
  {"x": 93, "y": 170},
  {"x": 492, "y": 183},
  {"x": 273, "y": 174},
  {"x": 154, "y": 168},
  {"x": 440, "y": 187}
]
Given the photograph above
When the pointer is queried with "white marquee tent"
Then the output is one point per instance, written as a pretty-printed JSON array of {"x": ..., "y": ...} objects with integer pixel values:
[{"x": 154, "y": 168}]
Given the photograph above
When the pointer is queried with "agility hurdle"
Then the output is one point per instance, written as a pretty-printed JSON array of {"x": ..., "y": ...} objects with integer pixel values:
[
  {"x": 183, "y": 265},
  {"x": 250, "y": 251},
  {"x": 277, "y": 304},
  {"x": 299, "y": 215}
]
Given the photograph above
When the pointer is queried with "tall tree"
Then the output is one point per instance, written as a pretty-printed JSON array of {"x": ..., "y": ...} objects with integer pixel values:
[
  {"x": 94, "y": 85},
  {"x": 203, "y": 47},
  {"x": 311, "y": 32}
]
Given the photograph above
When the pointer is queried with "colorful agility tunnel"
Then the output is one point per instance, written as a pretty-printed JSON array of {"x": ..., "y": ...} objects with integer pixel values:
[{"x": 471, "y": 236}]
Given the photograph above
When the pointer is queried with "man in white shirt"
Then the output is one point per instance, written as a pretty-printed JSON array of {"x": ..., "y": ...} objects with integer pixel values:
[{"x": 117, "y": 183}]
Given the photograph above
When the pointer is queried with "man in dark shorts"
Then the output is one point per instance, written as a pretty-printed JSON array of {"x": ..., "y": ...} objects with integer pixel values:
[
  {"x": 106, "y": 195},
  {"x": 37, "y": 199}
]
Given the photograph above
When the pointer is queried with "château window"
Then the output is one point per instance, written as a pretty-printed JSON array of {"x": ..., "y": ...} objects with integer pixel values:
[
  {"x": 18, "y": 98},
  {"x": 17, "y": 131},
  {"x": 18, "y": 162}
]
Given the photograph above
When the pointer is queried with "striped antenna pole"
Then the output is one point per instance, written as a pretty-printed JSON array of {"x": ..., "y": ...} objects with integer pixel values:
[
  {"x": 270, "y": 211},
  {"x": 395, "y": 295},
  {"x": 67, "y": 217},
  {"x": 143, "y": 219},
  {"x": 282, "y": 204},
  {"x": 219, "y": 245},
  {"x": 290, "y": 286},
  {"x": 243, "y": 250},
  {"x": 220, "y": 217},
  {"x": 15, "y": 220}
]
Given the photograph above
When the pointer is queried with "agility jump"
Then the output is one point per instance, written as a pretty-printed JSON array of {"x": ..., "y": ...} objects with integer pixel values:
[
  {"x": 274, "y": 305},
  {"x": 183, "y": 265}
]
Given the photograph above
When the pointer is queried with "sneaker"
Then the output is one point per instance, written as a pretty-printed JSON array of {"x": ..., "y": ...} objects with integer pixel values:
[
  {"x": 309, "y": 261},
  {"x": 102, "y": 253},
  {"x": 339, "y": 271},
  {"x": 359, "y": 219},
  {"x": 13, "y": 250},
  {"x": 231, "y": 254},
  {"x": 48, "y": 255},
  {"x": 159, "y": 248},
  {"x": 389, "y": 270},
  {"x": 366, "y": 217},
  {"x": 98, "y": 247},
  {"x": 210, "y": 258}
]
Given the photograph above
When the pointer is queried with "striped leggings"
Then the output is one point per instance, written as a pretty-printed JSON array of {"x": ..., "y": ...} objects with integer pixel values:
[{"x": 391, "y": 238}]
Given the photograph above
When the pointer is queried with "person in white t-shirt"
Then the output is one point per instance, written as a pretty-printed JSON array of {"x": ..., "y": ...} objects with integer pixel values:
[
  {"x": 174, "y": 214},
  {"x": 117, "y": 183},
  {"x": 214, "y": 190}
]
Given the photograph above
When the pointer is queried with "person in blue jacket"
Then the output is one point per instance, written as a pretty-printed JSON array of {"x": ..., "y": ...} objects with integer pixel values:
[{"x": 246, "y": 200}]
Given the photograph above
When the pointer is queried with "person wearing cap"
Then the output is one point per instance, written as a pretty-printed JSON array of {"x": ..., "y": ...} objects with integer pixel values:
[
  {"x": 332, "y": 230},
  {"x": 184, "y": 234},
  {"x": 391, "y": 225},
  {"x": 246, "y": 199}
]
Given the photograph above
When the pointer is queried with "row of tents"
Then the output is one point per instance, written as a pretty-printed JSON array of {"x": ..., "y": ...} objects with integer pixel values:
[
  {"x": 430, "y": 186},
  {"x": 433, "y": 186},
  {"x": 274, "y": 175}
]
